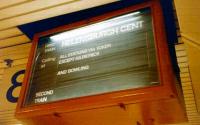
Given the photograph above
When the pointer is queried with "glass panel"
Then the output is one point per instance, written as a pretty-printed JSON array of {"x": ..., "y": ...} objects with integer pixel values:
[{"x": 113, "y": 55}]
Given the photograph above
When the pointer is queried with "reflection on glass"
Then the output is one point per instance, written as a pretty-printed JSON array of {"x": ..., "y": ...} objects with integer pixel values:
[{"x": 112, "y": 55}]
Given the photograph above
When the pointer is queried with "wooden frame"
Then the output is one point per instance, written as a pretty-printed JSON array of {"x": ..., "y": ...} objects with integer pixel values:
[{"x": 164, "y": 91}]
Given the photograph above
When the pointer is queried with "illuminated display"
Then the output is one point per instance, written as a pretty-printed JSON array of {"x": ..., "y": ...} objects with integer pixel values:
[{"x": 113, "y": 55}]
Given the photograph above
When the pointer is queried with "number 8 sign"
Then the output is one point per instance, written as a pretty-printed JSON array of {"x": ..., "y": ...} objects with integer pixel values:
[
  {"x": 10, "y": 85},
  {"x": 15, "y": 84}
]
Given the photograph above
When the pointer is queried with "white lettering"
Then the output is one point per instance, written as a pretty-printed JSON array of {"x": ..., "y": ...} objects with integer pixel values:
[
  {"x": 50, "y": 49},
  {"x": 62, "y": 72},
  {"x": 78, "y": 69},
  {"x": 104, "y": 46},
  {"x": 96, "y": 35},
  {"x": 48, "y": 60},
  {"x": 75, "y": 69},
  {"x": 131, "y": 26},
  {"x": 39, "y": 100},
  {"x": 77, "y": 58},
  {"x": 77, "y": 53},
  {"x": 44, "y": 93}
]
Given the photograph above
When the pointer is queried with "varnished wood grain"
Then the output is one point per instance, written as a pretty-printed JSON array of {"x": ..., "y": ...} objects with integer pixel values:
[
  {"x": 48, "y": 12},
  {"x": 10, "y": 33},
  {"x": 165, "y": 91},
  {"x": 14, "y": 41}
]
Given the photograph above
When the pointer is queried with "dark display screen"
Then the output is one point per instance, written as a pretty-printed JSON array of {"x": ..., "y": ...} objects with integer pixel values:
[{"x": 112, "y": 55}]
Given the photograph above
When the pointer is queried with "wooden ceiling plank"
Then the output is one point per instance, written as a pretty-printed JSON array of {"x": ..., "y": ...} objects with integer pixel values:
[
  {"x": 24, "y": 48},
  {"x": 1, "y": 72},
  {"x": 10, "y": 33},
  {"x": 7, "y": 115},
  {"x": 8, "y": 3},
  {"x": 11, "y": 113},
  {"x": 14, "y": 41},
  {"x": 15, "y": 63},
  {"x": 29, "y": 7},
  {"x": 17, "y": 49},
  {"x": 15, "y": 53},
  {"x": 180, "y": 47},
  {"x": 13, "y": 121},
  {"x": 50, "y": 12},
  {"x": 15, "y": 56}
]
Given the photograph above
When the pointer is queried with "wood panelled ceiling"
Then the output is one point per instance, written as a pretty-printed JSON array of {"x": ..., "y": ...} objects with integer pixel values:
[{"x": 18, "y": 12}]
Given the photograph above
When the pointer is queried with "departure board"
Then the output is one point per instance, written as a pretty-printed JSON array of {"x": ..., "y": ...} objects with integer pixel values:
[{"x": 113, "y": 55}]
